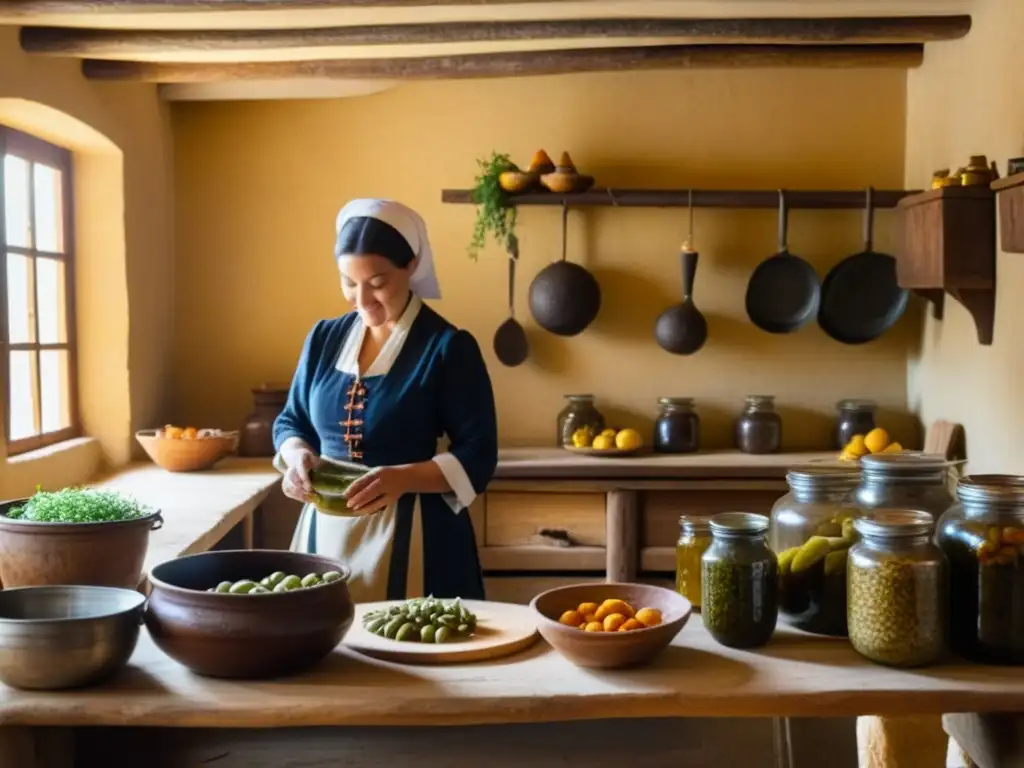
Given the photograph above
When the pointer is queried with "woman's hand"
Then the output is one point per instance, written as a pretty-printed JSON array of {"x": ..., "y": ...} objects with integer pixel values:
[
  {"x": 377, "y": 489},
  {"x": 296, "y": 484}
]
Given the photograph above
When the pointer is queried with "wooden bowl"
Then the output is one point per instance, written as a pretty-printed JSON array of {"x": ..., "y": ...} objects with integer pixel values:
[
  {"x": 565, "y": 182},
  {"x": 105, "y": 554},
  {"x": 610, "y": 650},
  {"x": 186, "y": 455},
  {"x": 517, "y": 182},
  {"x": 246, "y": 636}
]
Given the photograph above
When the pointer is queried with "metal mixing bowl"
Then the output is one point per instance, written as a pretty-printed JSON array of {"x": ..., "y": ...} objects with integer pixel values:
[{"x": 56, "y": 637}]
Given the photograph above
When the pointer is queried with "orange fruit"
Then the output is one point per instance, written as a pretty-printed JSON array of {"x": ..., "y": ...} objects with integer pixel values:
[
  {"x": 587, "y": 608},
  {"x": 650, "y": 617},
  {"x": 613, "y": 621},
  {"x": 594, "y": 626},
  {"x": 631, "y": 624},
  {"x": 571, "y": 618}
]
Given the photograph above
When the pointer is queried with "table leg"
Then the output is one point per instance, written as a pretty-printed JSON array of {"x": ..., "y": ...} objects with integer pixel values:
[
  {"x": 622, "y": 520},
  {"x": 248, "y": 529}
]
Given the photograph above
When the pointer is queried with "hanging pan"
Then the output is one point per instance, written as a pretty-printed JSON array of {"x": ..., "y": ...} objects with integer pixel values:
[
  {"x": 860, "y": 298},
  {"x": 783, "y": 292},
  {"x": 510, "y": 343},
  {"x": 682, "y": 329}
]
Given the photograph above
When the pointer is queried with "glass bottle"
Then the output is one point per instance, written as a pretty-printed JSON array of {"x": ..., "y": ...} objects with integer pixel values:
[
  {"x": 856, "y": 417},
  {"x": 759, "y": 427},
  {"x": 812, "y": 532},
  {"x": 579, "y": 412},
  {"x": 677, "y": 429},
  {"x": 907, "y": 480},
  {"x": 983, "y": 538},
  {"x": 897, "y": 589},
  {"x": 694, "y": 540},
  {"x": 739, "y": 581}
]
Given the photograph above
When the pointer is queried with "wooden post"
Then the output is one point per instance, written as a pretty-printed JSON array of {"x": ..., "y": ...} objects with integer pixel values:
[{"x": 622, "y": 517}]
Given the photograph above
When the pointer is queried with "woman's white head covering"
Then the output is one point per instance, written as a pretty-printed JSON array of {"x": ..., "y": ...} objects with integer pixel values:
[{"x": 410, "y": 225}]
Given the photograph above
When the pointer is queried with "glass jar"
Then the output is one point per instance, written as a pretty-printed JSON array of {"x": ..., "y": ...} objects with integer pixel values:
[
  {"x": 579, "y": 413},
  {"x": 694, "y": 540},
  {"x": 739, "y": 581},
  {"x": 759, "y": 427},
  {"x": 983, "y": 538},
  {"x": 812, "y": 532},
  {"x": 677, "y": 429},
  {"x": 856, "y": 417},
  {"x": 897, "y": 589},
  {"x": 907, "y": 480}
]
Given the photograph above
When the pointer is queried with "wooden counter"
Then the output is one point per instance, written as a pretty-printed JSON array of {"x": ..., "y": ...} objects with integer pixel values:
[{"x": 795, "y": 675}]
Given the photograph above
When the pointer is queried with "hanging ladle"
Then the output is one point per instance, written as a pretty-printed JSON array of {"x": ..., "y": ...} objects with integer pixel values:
[
  {"x": 682, "y": 329},
  {"x": 510, "y": 343}
]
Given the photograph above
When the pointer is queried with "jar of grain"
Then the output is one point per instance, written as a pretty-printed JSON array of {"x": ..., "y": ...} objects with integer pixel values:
[
  {"x": 897, "y": 589},
  {"x": 983, "y": 538},
  {"x": 905, "y": 481},
  {"x": 812, "y": 531},
  {"x": 739, "y": 581},
  {"x": 694, "y": 540},
  {"x": 856, "y": 417},
  {"x": 677, "y": 429},
  {"x": 759, "y": 427}
]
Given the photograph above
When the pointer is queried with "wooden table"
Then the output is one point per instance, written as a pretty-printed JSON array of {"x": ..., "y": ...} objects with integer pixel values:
[{"x": 796, "y": 675}]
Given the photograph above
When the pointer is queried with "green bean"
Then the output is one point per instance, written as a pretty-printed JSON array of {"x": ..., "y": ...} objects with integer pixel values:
[{"x": 422, "y": 619}]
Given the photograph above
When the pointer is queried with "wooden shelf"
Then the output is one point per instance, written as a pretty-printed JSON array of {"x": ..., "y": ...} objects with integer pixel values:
[
  {"x": 947, "y": 245},
  {"x": 1010, "y": 194},
  {"x": 702, "y": 198}
]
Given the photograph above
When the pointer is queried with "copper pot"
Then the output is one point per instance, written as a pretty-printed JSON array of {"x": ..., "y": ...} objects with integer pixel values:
[{"x": 256, "y": 435}]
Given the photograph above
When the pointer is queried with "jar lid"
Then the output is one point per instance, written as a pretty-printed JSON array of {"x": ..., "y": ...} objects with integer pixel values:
[
  {"x": 838, "y": 474},
  {"x": 675, "y": 401},
  {"x": 738, "y": 523},
  {"x": 907, "y": 462},
  {"x": 991, "y": 489},
  {"x": 855, "y": 404},
  {"x": 694, "y": 524},
  {"x": 579, "y": 397},
  {"x": 760, "y": 398},
  {"x": 894, "y": 523}
]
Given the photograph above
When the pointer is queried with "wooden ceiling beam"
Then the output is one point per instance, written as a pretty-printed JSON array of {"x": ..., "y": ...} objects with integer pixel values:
[
  {"x": 520, "y": 64},
  {"x": 14, "y": 8},
  {"x": 100, "y": 43}
]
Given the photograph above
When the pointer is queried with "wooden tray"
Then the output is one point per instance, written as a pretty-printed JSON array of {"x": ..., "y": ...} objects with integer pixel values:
[
  {"x": 502, "y": 629},
  {"x": 609, "y": 453}
]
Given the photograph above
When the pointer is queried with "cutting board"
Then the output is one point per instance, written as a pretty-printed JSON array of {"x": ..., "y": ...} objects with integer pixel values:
[{"x": 501, "y": 630}]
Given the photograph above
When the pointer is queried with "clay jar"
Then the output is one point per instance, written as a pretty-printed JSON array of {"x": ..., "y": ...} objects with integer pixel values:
[
  {"x": 256, "y": 435},
  {"x": 759, "y": 427}
]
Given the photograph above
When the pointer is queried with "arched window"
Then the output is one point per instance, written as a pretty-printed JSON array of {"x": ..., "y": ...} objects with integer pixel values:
[{"x": 37, "y": 318}]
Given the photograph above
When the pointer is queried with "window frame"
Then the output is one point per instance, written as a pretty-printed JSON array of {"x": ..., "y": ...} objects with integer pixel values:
[{"x": 40, "y": 151}]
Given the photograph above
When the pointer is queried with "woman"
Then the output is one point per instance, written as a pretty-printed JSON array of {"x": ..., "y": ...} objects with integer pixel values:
[{"x": 378, "y": 387}]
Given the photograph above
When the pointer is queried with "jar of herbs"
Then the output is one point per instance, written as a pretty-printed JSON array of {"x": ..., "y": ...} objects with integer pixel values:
[
  {"x": 907, "y": 480},
  {"x": 983, "y": 538},
  {"x": 759, "y": 427},
  {"x": 694, "y": 540},
  {"x": 856, "y": 417},
  {"x": 897, "y": 589},
  {"x": 579, "y": 413},
  {"x": 677, "y": 429},
  {"x": 739, "y": 581},
  {"x": 812, "y": 532}
]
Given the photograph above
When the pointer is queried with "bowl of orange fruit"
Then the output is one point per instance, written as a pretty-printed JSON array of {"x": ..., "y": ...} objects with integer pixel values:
[
  {"x": 610, "y": 625},
  {"x": 875, "y": 441},
  {"x": 186, "y": 449}
]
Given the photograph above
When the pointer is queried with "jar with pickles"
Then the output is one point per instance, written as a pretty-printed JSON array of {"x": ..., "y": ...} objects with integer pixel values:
[
  {"x": 983, "y": 538},
  {"x": 579, "y": 417},
  {"x": 907, "y": 480},
  {"x": 812, "y": 532},
  {"x": 694, "y": 540},
  {"x": 897, "y": 583},
  {"x": 739, "y": 581}
]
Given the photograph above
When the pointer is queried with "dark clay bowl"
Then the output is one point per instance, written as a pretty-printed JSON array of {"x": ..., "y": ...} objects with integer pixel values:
[
  {"x": 610, "y": 650},
  {"x": 246, "y": 636}
]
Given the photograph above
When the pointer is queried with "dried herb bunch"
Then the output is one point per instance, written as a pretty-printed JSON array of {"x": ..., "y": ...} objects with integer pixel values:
[{"x": 493, "y": 213}]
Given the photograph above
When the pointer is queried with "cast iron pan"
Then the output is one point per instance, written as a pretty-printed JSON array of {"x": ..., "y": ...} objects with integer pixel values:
[
  {"x": 860, "y": 298},
  {"x": 783, "y": 292},
  {"x": 510, "y": 343}
]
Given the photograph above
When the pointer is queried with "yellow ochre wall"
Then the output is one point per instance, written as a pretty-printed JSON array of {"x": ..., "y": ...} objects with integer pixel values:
[
  {"x": 968, "y": 98},
  {"x": 258, "y": 185},
  {"x": 124, "y": 259}
]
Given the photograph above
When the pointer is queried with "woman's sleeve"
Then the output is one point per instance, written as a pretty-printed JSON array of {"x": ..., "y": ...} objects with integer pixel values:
[
  {"x": 469, "y": 420},
  {"x": 294, "y": 420}
]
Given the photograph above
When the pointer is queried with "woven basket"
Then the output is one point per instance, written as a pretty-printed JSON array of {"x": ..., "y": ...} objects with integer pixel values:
[{"x": 180, "y": 455}]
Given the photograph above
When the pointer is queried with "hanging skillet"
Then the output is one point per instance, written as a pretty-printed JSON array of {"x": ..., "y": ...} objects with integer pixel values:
[
  {"x": 682, "y": 329},
  {"x": 510, "y": 343},
  {"x": 783, "y": 292},
  {"x": 860, "y": 298},
  {"x": 564, "y": 297}
]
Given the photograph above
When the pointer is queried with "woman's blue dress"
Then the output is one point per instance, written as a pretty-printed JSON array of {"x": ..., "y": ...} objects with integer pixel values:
[{"x": 429, "y": 381}]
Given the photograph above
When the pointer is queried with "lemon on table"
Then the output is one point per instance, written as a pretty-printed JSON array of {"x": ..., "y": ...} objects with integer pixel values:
[
  {"x": 603, "y": 443},
  {"x": 876, "y": 440},
  {"x": 856, "y": 447},
  {"x": 628, "y": 440},
  {"x": 893, "y": 447},
  {"x": 608, "y": 432},
  {"x": 581, "y": 437},
  {"x": 847, "y": 456}
]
